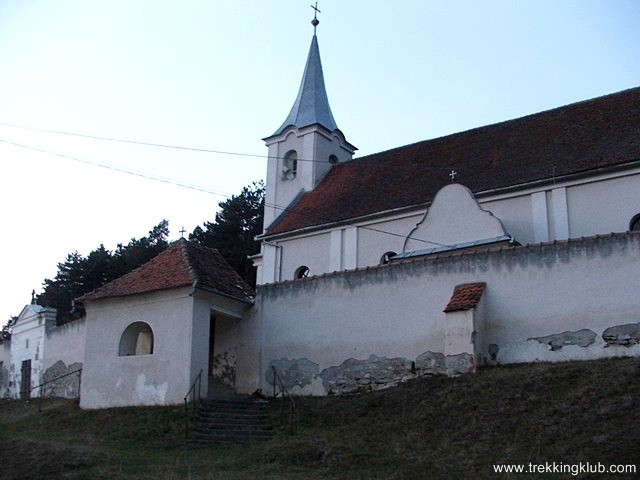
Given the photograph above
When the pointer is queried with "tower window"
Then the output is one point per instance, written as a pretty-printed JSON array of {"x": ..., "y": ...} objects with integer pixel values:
[
  {"x": 302, "y": 272},
  {"x": 634, "y": 224},
  {"x": 333, "y": 159},
  {"x": 290, "y": 165}
]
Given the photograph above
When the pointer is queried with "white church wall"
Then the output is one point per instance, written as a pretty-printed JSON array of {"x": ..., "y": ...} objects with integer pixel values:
[
  {"x": 311, "y": 251},
  {"x": 603, "y": 207},
  {"x": 373, "y": 243},
  {"x": 370, "y": 328},
  {"x": 516, "y": 216},
  {"x": 160, "y": 378}
]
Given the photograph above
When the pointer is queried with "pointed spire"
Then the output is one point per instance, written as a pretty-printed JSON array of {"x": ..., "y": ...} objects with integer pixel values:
[{"x": 312, "y": 104}]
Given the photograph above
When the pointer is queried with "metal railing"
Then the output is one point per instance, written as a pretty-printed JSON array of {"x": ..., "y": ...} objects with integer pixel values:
[
  {"x": 194, "y": 392},
  {"x": 41, "y": 386},
  {"x": 284, "y": 393}
]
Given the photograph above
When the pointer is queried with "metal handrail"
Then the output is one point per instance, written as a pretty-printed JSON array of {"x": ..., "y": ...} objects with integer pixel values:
[
  {"x": 284, "y": 392},
  {"x": 194, "y": 401},
  {"x": 41, "y": 386}
]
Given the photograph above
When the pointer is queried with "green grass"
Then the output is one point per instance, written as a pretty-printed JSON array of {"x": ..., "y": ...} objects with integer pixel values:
[{"x": 433, "y": 427}]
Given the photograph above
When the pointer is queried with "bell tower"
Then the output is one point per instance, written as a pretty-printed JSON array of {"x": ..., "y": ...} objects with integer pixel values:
[{"x": 307, "y": 144}]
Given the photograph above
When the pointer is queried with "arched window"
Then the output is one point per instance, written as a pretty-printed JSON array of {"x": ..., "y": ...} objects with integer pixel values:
[
  {"x": 333, "y": 159},
  {"x": 290, "y": 165},
  {"x": 387, "y": 257},
  {"x": 137, "y": 339},
  {"x": 634, "y": 224},
  {"x": 302, "y": 272}
]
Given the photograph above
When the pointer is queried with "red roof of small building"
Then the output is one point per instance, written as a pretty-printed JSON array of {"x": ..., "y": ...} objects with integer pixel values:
[
  {"x": 465, "y": 297},
  {"x": 576, "y": 139},
  {"x": 182, "y": 264}
]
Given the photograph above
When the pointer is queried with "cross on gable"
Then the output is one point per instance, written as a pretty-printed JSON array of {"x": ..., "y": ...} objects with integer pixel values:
[
  {"x": 452, "y": 175},
  {"x": 182, "y": 231}
]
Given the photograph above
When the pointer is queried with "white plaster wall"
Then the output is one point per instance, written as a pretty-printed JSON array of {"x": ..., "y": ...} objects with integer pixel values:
[
  {"x": 516, "y": 216},
  {"x": 373, "y": 243},
  {"x": 397, "y": 310},
  {"x": 604, "y": 207},
  {"x": 225, "y": 349},
  {"x": 65, "y": 343},
  {"x": 5, "y": 361},
  {"x": 162, "y": 378},
  {"x": 312, "y": 251},
  {"x": 28, "y": 343}
]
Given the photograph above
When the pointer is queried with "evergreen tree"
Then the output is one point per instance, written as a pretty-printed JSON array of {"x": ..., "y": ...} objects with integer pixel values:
[
  {"x": 78, "y": 275},
  {"x": 234, "y": 229}
]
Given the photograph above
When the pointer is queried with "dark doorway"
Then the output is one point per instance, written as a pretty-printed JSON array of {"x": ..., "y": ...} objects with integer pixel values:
[{"x": 25, "y": 380}]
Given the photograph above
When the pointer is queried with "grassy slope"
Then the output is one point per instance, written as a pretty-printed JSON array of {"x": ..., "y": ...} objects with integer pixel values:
[{"x": 428, "y": 428}]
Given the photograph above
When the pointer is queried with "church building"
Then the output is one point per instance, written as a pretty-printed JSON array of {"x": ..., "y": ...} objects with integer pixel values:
[{"x": 512, "y": 242}]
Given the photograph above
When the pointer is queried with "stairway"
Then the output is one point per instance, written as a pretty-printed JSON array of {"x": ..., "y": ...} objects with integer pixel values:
[{"x": 228, "y": 418}]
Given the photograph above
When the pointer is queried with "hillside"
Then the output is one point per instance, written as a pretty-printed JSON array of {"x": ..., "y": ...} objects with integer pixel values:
[{"x": 428, "y": 428}]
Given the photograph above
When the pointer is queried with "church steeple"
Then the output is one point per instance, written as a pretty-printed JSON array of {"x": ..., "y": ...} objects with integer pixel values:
[
  {"x": 308, "y": 144},
  {"x": 312, "y": 104}
]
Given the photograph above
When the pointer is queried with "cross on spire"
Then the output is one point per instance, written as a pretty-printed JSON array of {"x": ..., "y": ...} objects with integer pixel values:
[
  {"x": 452, "y": 175},
  {"x": 315, "y": 20},
  {"x": 182, "y": 232}
]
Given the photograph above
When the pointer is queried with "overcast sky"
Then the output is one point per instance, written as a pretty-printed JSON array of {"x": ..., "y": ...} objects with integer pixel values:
[{"x": 222, "y": 75}]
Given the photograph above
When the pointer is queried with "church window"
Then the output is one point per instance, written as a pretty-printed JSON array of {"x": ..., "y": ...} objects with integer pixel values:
[
  {"x": 302, "y": 272},
  {"x": 137, "y": 339},
  {"x": 333, "y": 159},
  {"x": 290, "y": 165},
  {"x": 634, "y": 224},
  {"x": 387, "y": 257}
]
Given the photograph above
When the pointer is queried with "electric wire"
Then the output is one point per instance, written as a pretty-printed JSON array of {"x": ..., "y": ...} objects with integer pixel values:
[
  {"x": 202, "y": 189},
  {"x": 175, "y": 147}
]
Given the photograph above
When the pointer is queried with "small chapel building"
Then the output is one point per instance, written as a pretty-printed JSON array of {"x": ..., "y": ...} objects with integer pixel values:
[{"x": 513, "y": 242}]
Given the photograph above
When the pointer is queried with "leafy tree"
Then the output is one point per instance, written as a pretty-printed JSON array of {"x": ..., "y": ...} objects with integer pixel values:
[
  {"x": 234, "y": 229},
  {"x": 78, "y": 275}
]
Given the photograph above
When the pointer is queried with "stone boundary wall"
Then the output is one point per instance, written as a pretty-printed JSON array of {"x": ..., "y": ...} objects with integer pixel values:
[{"x": 370, "y": 328}]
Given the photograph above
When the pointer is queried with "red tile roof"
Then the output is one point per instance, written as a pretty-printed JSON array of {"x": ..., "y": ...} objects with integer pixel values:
[
  {"x": 182, "y": 264},
  {"x": 578, "y": 138},
  {"x": 465, "y": 297}
]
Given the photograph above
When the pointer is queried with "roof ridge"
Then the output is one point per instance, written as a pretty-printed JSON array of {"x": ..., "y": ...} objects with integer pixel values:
[
  {"x": 501, "y": 122},
  {"x": 184, "y": 244}
]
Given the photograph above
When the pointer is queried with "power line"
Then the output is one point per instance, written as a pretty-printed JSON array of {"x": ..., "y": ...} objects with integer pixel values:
[
  {"x": 177, "y": 147},
  {"x": 118, "y": 169},
  {"x": 200, "y": 189}
]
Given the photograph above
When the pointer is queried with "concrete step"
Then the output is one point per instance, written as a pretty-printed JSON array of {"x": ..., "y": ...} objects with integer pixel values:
[{"x": 240, "y": 419}]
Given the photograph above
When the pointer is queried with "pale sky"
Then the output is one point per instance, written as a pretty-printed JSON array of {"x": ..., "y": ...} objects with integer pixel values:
[{"x": 222, "y": 75}]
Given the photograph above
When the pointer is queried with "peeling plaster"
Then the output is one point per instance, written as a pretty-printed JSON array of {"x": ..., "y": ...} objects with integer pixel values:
[
  {"x": 371, "y": 374},
  {"x": 224, "y": 368},
  {"x": 297, "y": 372},
  {"x": 581, "y": 338},
  {"x": 66, "y": 387},
  {"x": 493, "y": 349},
  {"x": 150, "y": 394},
  {"x": 625, "y": 335}
]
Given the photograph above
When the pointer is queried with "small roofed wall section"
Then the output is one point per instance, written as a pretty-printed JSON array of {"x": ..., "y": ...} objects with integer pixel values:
[
  {"x": 371, "y": 328},
  {"x": 160, "y": 378}
]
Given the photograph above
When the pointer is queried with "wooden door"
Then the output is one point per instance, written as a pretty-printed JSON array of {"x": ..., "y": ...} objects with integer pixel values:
[{"x": 25, "y": 380}]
